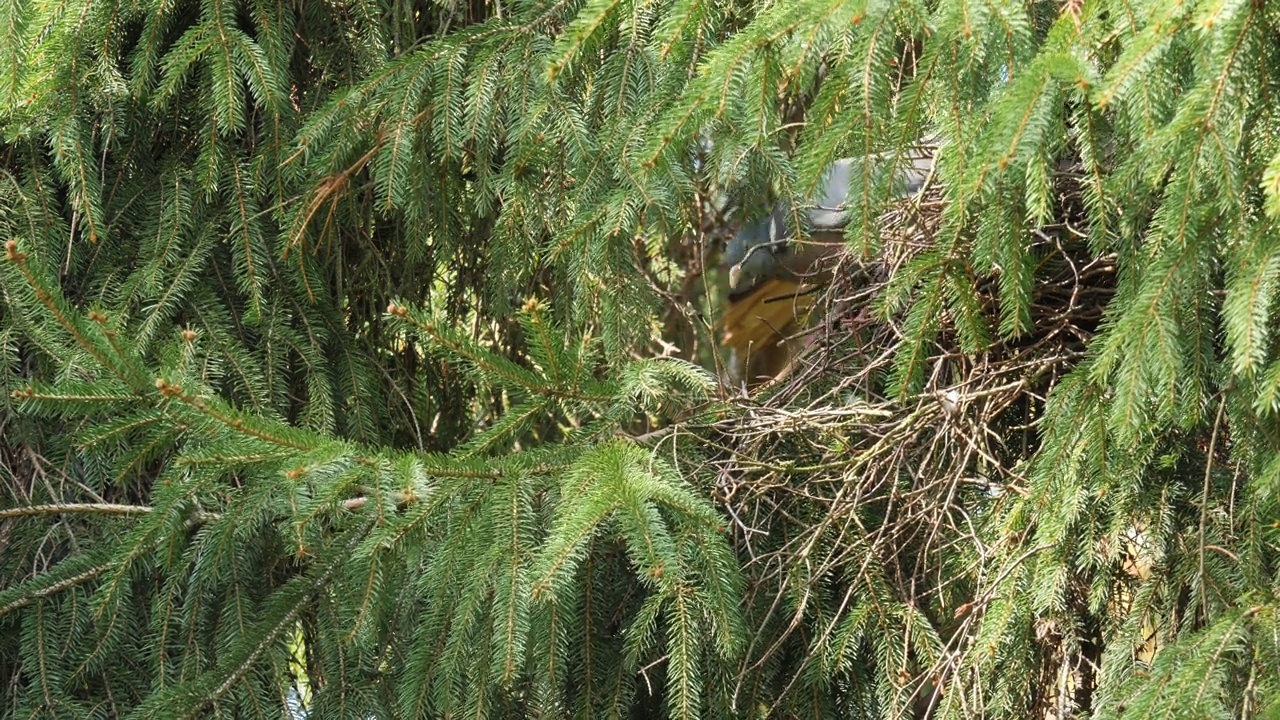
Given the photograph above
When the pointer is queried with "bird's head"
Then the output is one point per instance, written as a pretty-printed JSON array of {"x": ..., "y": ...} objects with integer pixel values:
[{"x": 755, "y": 253}]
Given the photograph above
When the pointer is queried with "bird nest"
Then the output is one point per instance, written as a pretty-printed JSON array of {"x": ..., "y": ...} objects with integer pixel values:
[{"x": 839, "y": 486}]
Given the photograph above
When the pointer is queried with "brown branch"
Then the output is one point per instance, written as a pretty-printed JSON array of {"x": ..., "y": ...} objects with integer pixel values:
[{"x": 74, "y": 508}]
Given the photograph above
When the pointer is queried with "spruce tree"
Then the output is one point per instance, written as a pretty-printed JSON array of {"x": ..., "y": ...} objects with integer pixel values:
[{"x": 360, "y": 360}]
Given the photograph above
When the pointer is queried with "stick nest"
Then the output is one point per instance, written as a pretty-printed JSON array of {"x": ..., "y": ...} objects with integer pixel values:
[{"x": 841, "y": 491}]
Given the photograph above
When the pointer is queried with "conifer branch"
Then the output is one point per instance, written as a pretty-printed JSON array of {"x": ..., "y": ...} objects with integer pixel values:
[
  {"x": 490, "y": 363},
  {"x": 251, "y": 427},
  {"x": 51, "y": 303},
  {"x": 51, "y": 589},
  {"x": 74, "y": 508},
  {"x": 269, "y": 633}
]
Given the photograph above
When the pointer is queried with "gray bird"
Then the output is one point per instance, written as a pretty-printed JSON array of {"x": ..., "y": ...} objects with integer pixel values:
[
  {"x": 769, "y": 249},
  {"x": 770, "y": 263}
]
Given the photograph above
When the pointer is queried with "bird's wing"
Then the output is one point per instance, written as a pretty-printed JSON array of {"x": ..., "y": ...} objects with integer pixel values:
[{"x": 758, "y": 320}]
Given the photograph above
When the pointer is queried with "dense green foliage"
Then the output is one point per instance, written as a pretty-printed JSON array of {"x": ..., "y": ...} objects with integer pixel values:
[{"x": 354, "y": 350}]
